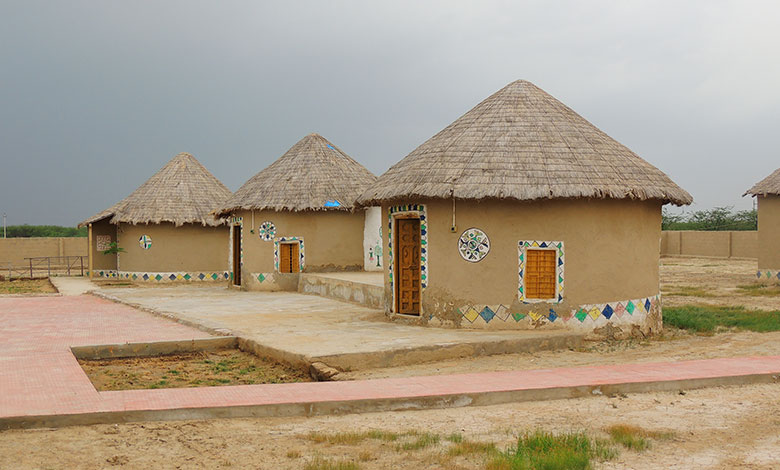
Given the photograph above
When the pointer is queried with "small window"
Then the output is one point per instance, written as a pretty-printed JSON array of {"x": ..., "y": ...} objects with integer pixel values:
[
  {"x": 288, "y": 258},
  {"x": 540, "y": 274}
]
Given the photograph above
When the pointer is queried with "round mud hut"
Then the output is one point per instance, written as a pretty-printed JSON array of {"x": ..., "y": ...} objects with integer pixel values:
[
  {"x": 165, "y": 230},
  {"x": 298, "y": 215},
  {"x": 520, "y": 215},
  {"x": 767, "y": 193}
]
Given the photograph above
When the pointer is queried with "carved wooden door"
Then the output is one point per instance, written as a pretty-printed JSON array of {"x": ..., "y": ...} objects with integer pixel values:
[{"x": 407, "y": 266}]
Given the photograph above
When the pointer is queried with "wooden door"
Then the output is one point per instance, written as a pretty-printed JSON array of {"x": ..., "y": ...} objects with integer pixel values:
[
  {"x": 407, "y": 266},
  {"x": 236, "y": 255},
  {"x": 288, "y": 257}
]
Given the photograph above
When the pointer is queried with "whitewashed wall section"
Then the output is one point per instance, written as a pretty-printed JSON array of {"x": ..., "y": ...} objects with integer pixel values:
[{"x": 372, "y": 240}]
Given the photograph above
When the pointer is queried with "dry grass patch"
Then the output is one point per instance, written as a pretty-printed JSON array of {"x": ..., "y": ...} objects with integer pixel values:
[
  {"x": 688, "y": 291},
  {"x": 467, "y": 447},
  {"x": 759, "y": 290},
  {"x": 634, "y": 437},
  {"x": 27, "y": 286},
  {"x": 201, "y": 369},
  {"x": 319, "y": 463}
]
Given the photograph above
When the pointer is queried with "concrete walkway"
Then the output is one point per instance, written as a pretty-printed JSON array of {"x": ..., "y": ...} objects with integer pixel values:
[
  {"x": 305, "y": 328},
  {"x": 73, "y": 285},
  {"x": 42, "y": 385}
]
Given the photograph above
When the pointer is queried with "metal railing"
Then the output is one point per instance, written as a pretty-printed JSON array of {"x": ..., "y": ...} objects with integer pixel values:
[{"x": 45, "y": 266}]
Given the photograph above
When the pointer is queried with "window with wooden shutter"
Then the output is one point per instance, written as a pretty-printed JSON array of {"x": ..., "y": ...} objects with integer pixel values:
[
  {"x": 540, "y": 274},
  {"x": 288, "y": 258}
]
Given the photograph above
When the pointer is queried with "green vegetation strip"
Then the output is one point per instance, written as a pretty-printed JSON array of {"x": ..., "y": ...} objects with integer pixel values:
[
  {"x": 538, "y": 450},
  {"x": 24, "y": 231},
  {"x": 708, "y": 319}
]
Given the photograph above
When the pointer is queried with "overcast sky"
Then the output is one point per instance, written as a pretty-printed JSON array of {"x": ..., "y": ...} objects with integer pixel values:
[{"x": 96, "y": 96}]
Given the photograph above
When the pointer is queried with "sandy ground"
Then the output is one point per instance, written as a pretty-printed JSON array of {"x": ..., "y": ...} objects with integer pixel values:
[
  {"x": 712, "y": 282},
  {"x": 722, "y": 428}
]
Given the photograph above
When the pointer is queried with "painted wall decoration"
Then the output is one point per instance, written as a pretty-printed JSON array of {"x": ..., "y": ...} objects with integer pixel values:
[
  {"x": 417, "y": 210},
  {"x": 164, "y": 276},
  {"x": 588, "y": 316},
  {"x": 103, "y": 242},
  {"x": 473, "y": 245},
  {"x": 372, "y": 240},
  {"x": 302, "y": 258},
  {"x": 768, "y": 275},
  {"x": 267, "y": 231},
  {"x": 145, "y": 241},
  {"x": 522, "y": 248}
]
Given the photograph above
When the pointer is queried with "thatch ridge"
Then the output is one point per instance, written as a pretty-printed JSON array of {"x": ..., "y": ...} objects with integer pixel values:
[
  {"x": 521, "y": 143},
  {"x": 767, "y": 186},
  {"x": 309, "y": 175},
  {"x": 182, "y": 192}
]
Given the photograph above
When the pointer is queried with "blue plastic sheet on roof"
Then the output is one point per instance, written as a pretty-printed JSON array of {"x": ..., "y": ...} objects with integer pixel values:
[
  {"x": 331, "y": 147},
  {"x": 333, "y": 203}
]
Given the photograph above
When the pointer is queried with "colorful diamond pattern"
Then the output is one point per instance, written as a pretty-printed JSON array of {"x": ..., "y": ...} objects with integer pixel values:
[
  {"x": 487, "y": 314},
  {"x": 471, "y": 314},
  {"x": 502, "y": 312},
  {"x": 594, "y": 313}
]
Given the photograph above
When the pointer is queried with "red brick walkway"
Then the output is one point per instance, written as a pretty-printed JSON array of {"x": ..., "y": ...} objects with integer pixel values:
[{"x": 40, "y": 377}]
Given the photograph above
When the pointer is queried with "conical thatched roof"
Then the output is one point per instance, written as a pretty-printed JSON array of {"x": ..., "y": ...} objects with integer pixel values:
[
  {"x": 767, "y": 186},
  {"x": 182, "y": 192},
  {"x": 313, "y": 175},
  {"x": 521, "y": 143}
]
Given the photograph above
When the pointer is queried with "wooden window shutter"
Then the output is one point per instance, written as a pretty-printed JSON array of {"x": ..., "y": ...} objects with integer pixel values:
[
  {"x": 540, "y": 274},
  {"x": 288, "y": 258}
]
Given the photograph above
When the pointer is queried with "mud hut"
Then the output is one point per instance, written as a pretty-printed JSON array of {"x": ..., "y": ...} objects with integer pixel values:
[
  {"x": 298, "y": 215},
  {"x": 164, "y": 230},
  {"x": 521, "y": 214},
  {"x": 767, "y": 194}
]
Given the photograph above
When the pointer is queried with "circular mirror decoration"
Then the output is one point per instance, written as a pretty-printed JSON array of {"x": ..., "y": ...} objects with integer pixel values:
[
  {"x": 473, "y": 245},
  {"x": 267, "y": 231},
  {"x": 145, "y": 241}
]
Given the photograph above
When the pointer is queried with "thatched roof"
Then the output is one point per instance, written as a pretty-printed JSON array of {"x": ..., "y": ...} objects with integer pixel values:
[
  {"x": 767, "y": 186},
  {"x": 313, "y": 175},
  {"x": 521, "y": 143},
  {"x": 182, "y": 192}
]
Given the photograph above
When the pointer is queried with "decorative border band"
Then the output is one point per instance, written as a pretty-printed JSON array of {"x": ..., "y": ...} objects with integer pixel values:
[
  {"x": 768, "y": 274},
  {"x": 624, "y": 311},
  {"x": 163, "y": 276}
]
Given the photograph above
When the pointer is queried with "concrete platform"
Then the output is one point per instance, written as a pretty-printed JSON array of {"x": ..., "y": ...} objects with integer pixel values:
[
  {"x": 362, "y": 288},
  {"x": 302, "y": 329}
]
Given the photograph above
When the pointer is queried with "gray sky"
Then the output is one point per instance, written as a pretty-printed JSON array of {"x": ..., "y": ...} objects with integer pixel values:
[{"x": 95, "y": 96}]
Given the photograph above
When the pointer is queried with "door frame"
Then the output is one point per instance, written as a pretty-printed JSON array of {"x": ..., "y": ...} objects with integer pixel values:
[
  {"x": 237, "y": 245},
  {"x": 396, "y": 261}
]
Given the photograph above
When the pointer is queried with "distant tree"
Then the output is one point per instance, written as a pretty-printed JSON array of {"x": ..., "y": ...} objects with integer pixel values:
[
  {"x": 718, "y": 218},
  {"x": 24, "y": 231}
]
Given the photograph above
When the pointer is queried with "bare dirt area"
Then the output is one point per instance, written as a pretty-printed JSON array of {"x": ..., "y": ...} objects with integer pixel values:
[
  {"x": 27, "y": 286},
  {"x": 705, "y": 281},
  {"x": 201, "y": 369},
  {"x": 717, "y": 428}
]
